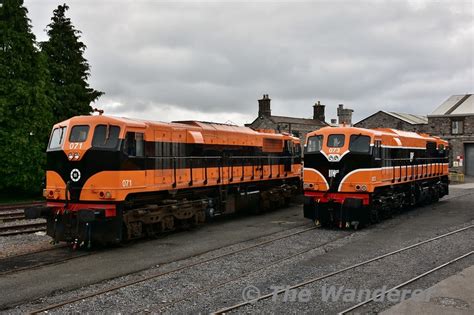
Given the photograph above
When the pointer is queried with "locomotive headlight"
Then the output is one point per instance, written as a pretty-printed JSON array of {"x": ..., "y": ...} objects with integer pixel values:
[
  {"x": 108, "y": 194},
  {"x": 76, "y": 156},
  {"x": 70, "y": 156},
  {"x": 363, "y": 188}
]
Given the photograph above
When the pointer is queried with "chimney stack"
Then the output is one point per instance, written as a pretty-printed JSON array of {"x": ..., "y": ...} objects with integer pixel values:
[
  {"x": 318, "y": 111},
  {"x": 344, "y": 115},
  {"x": 264, "y": 106}
]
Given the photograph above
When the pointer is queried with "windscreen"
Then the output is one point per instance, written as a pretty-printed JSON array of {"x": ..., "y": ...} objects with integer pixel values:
[
  {"x": 79, "y": 133},
  {"x": 336, "y": 141},
  {"x": 57, "y": 138},
  {"x": 314, "y": 144},
  {"x": 106, "y": 136},
  {"x": 360, "y": 144}
]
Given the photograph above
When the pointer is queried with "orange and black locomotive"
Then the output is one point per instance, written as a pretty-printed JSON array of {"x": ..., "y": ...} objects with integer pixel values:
[
  {"x": 109, "y": 179},
  {"x": 356, "y": 176}
]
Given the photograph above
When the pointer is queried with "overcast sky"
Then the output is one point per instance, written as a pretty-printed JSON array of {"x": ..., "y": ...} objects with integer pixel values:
[{"x": 212, "y": 60}]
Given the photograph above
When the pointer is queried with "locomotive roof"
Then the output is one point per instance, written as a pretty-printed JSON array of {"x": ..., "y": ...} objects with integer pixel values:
[
  {"x": 190, "y": 125},
  {"x": 387, "y": 132}
]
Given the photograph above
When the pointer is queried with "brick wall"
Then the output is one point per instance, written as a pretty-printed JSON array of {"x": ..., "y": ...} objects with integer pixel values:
[
  {"x": 441, "y": 127},
  {"x": 301, "y": 129},
  {"x": 383, "y": 120}
]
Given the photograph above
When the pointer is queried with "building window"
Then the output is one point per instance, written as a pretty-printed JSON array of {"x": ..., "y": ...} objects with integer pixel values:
[{"x": 457, "y": 127}]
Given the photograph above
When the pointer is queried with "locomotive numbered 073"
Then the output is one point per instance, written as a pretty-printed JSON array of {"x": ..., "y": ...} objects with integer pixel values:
[
  {"x": 356, "y": 176},
  {"x": 110, "y": 179}
]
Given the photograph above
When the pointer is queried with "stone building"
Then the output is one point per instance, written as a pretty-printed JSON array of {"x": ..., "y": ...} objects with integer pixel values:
[
  {"x": 299, "y": 127},
  {"x": 453, "y": 120},
  {"x": 401, "y": 121},
  {"x": 344, "y": 115}
]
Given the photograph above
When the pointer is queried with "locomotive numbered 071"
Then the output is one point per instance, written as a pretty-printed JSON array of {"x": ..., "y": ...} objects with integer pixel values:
[
  {"x": 110, "y": 179},
  {"x": 356, "y": 176}
]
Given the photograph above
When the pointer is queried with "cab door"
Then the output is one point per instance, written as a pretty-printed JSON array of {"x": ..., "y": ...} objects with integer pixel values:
[{"x": 178, "y": 152}]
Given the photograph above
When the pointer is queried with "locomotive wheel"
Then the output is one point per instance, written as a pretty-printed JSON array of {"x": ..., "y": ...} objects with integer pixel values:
[{"x": 374, "y": 216}]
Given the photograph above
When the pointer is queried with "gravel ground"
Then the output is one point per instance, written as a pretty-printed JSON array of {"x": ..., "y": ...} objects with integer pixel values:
[
  {"x": 23, "y": 243},
  {"x": 388, "y": 272},
  {"x": 266, "y": 266},
  {"x": 165, "y": 290}
]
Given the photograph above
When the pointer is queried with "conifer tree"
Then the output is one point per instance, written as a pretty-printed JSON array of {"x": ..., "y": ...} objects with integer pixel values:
[
  {"x": 68, "y": 68},
  {"x": 25, "y": 107}
]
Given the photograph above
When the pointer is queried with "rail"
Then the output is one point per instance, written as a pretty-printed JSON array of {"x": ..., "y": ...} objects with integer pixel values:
[{"x": 306, "y": 282}]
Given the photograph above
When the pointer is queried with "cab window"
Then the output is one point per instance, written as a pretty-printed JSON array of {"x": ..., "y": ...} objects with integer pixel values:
[
  {"x": 377, "y": 150},
  {"x": 297, "y": 150},
  {"x": 359, "y": 144},
  {"x": 336, "y": 141},
  {"x": 105, "y": 136},
  {"x": 57, "y": 138},
  {"x": 431, "y": 149},
  {"x": 79, "y": 133},
  {"x": 134, "y": 144},
  {"x": 314, "y": 144}
]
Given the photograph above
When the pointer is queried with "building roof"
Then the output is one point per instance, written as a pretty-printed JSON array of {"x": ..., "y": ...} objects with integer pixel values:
[
  {"x": 289, "y": 120},
  {"x": 296, "y": 120},
  {"x": 408, "y": 118},
  {"x": 462, "y": 104}
]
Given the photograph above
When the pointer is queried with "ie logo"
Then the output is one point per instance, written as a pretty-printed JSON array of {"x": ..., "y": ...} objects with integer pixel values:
[{"x": 333, "y": 173}]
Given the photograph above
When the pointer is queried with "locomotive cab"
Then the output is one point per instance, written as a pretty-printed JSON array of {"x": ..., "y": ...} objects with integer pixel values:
[
  {"x": 83, "y": 155},
  {"x": 330, "y": 156}
]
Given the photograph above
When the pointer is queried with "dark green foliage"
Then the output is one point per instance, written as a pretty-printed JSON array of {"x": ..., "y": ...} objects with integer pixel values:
[
  {"x": 68, "y": 68},
  {"x": 37, "y": 89},
  {"x": 25, "y": 107}
]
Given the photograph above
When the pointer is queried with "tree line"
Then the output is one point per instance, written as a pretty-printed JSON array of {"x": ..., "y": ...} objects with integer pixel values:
[{"x": 41, "y": 83}]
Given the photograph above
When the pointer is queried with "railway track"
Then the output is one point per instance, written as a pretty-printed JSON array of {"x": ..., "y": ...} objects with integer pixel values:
[
  {"x": 22, "y": 229},
  {"x": 266, "y": 266},
  {"x": 401, "y": 285},
  {"x": 43, "y": 257},
  {"x": 16, "y": 206},
  {"x": 15, "y": 212},
  {"x": 27, "y": 261},
  {"x": 337, "y": 272},
  {"x": 161, "y": 274},
  {"x": 12, "y": 216}
]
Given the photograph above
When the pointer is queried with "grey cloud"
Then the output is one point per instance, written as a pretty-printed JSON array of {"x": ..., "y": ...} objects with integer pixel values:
[{"x": 220, "y": 57}]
